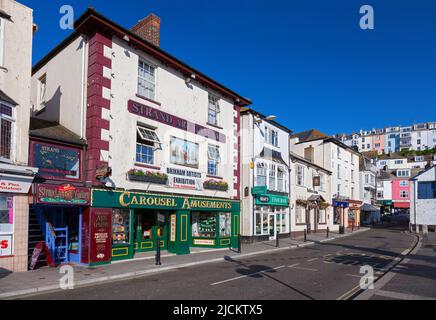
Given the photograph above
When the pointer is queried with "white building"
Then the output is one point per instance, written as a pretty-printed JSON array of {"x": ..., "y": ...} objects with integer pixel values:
[
  {"x": 16, "y": 33},
  {"x": 368, "y": 191},
  {"x": 423, "y": 200},
  {"x": 155, "y": 127},
  {"x": 264, "y": 177},
  {"x": 310, "y": 195},
  {"x": 343, "y": 162},
  {"x": 420, "y": 137}
]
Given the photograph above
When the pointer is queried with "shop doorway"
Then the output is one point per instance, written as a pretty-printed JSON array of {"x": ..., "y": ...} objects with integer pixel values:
[
  {"x": 148, "y": 226},
  {"x": 60, "y": 228},
  {"x": 272, "y": 227}
]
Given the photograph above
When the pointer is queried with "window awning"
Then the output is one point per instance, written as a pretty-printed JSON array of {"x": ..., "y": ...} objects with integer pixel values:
[
  {"x": 273, "y": 155},
  {"x": 316, "y": 197},
  {"x": 368, "y": 207}
]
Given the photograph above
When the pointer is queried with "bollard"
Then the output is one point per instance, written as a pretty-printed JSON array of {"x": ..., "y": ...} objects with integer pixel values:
[
  {"x": 158, "y": 263},
  {"x": 328, "y": 230},
  {"x": 239, "y": 244},
  {"x": 352, "y": 227},
  {"x": 277, "y": 239},
  {"x": 305, "y": 235}
]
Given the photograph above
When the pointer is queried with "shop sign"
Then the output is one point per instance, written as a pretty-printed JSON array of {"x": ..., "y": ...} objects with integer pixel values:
[
  {"x": 56, "y": 162},
  {"x": 184, "y": 179},
  {"x": 316, "y": 181},
  {"x": 5, "y": 245},
  {"x": 100, "y": 235},
  {"x": 176, "y": 122},
  {"x": 272, "y": 200},
  {"x": 204, "y": 242},
  {"x": 64, "y": 194},
  {"x": 117, "y": 199},
  {"x": 173, "y": 228},
  {"x": 340, "y": 204},
  {"x": 15, "y": 184},
  {"x": 259, "y": 190}
]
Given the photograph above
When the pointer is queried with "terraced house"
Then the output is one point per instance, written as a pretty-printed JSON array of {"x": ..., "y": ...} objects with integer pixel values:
[{"x": 162, "y": 138}]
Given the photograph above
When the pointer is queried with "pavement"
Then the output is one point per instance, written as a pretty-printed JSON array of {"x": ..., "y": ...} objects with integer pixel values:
[
  {"x": 414, "y": 278},
  {"x": 328, "y": 270},
  {"x": 13, "y": 285}
]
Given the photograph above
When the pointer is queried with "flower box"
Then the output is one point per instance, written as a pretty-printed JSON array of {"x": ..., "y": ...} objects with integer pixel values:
[
  {"x": 149, "y": 177},
  {"x": 216, "y": 185}
]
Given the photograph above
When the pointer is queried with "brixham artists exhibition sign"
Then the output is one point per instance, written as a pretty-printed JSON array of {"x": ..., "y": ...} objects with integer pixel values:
[
  {"x": 171, "y": 120},
  {"x": 117, "y": 199}
]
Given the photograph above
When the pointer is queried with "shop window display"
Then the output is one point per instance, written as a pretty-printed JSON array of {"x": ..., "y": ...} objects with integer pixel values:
[
  {"x": 120, "y": 226},
  {"x": 225, "y": 224},
  {"x": 204, "y": 225}
]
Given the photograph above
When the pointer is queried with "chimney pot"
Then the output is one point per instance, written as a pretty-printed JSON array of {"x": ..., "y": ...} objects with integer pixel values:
[{"x": 148, "y": 29}]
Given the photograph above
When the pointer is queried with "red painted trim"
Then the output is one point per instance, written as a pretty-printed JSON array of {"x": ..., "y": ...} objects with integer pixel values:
[
  {"x": 5, "y": 257},
  {"x": 95, "y": 103}
]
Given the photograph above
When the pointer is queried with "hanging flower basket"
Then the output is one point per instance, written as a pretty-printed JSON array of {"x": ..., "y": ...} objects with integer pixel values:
[
  {"x": 324, "y": 205},
  {"x": 216, "y": 185},
  {"x": 302, "y": 203},
  {"x": 147, "y": 176}
]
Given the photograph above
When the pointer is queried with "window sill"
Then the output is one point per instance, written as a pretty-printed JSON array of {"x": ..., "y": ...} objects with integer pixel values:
[
  {"x": 214, "y": 125},
  {"x": 148, "y": 99},
  {"x": 214, "y": 177},
  {"x": 148, "y": 166},
  {"x": 5, "y": 257}
]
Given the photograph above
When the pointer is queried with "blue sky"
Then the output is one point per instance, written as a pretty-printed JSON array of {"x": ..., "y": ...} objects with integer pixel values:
[{"x": 307, "y": 62}]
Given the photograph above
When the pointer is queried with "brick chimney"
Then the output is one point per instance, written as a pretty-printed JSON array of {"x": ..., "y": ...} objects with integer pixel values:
[{"x": 148, "y": 29}]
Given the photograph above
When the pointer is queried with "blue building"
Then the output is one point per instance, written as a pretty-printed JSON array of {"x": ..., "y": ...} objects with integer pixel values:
[{"x": 392, "y": 139}]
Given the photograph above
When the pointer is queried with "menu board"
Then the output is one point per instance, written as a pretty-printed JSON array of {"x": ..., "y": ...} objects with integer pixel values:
[
  {"x": 120, "y": 226},
  {"x": 100, "y": 239}
]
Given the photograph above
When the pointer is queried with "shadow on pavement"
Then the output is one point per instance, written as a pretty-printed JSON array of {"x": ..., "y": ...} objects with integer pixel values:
[{"x": 260, "y": 271}]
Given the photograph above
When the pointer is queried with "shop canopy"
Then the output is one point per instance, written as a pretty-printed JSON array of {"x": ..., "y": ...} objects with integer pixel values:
[
  {"x": 368, "y": 207},
  {"x": 316, "y": 197},
  {"x": 402, "y": 205}
]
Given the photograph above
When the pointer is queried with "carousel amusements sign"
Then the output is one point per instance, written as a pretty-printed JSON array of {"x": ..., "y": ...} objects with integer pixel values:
[{"x": 134, "y": 200}]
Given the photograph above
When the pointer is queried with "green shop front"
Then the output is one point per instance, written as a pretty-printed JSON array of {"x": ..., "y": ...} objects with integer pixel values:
[{"x": 141, "y": 220}]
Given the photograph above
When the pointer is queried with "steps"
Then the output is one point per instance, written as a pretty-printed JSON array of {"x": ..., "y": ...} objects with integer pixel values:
[{"x": 35, "y": 236}]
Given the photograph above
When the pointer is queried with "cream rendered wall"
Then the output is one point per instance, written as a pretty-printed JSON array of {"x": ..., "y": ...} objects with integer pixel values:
[
  {"x": 15, "y": 73},
  {"x": 15, "y": 82},
  {"x": 302, "y": 192},
  {"x": 177, "y": 99},
  {"x": 66, "y": 75},
  {"x": 247, "y": 146}
]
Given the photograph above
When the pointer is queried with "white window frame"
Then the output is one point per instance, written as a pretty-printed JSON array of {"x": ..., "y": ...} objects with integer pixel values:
[
  {"x": 213, "y": 158},
  {"x": 42, "y": 95},
  {"x": 281, "y": 182},
  {"x": 213, "y": 107},
  {"x": 299, "y": 174},
  {"x": 2, "y": 41},
  {"x": 11, "y": 119},
  {"x": 272, "y": 176},
  {"x": 146, "y": 134},
  {"x": 263, "y": 167},
  {"x": 152, "y": 83},
  {"x": 404, "y": 194}
]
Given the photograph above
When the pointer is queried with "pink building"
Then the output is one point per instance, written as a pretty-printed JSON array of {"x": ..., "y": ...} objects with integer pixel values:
[
  {"x": 378, "y": 143},
  {"x": 401, "y": 193}
]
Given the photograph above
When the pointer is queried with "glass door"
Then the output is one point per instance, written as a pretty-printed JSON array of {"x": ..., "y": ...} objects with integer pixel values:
[{"x": 272, "y": 226}]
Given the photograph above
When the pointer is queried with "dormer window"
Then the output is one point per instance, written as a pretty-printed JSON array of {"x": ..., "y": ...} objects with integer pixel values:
[{"x": 403, "y": 173}]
